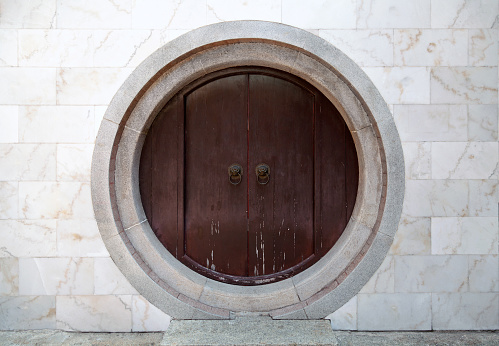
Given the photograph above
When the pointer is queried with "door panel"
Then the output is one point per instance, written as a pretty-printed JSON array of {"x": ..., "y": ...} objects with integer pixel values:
[
  {"x": 215, "y": 209},
  {"x": 281, "y": 118}
]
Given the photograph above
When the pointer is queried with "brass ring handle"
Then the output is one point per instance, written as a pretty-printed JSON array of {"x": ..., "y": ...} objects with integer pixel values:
[
  {"x": 262, "y": 173},
  {"x": 235, "y": 174}
]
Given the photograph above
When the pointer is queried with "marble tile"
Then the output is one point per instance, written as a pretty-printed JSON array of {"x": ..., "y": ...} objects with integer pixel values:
[
  {"x": 419, "y": 47},
  {"x": 483, "y": 47},
  {"x": 23, "y": 238},
  {"x": 109, "y": 279},
  {"x": 56, "y": 124},
  {"x": 27, "y": 14},
  {"x": 55, "y": 48},
  {"x": 399, "y": 311},
  {"x": 27, "y": 162},
  {"x": 31, "y": 312},
  {"x": 464, "y": 160},
  {"x": 345, "y": 318},
  {"x": 27, "y": 86},
  {"x": 168, "y": 35},
  {"x": 79, "y": 238},
  {"x": 471, "y": 85},
  {"x": 168, "y": 14},
  {"x": 465, "y": 311},
  {"x": 89, "y": 86},
  {"x": 67, "y": 200},
  {"x": 383, "y": 279},
  {"x": 222, "y": 11},
  {"x": 319, "y": 14},
  {"x": 431, "y": 122},
  {"x": 365, "y": 47},
  {"x": 94, "y": 313},
  {"x": 9, "y": 276},
  {"x": 56, "y": 276},
  {"x": 8, "y": 42},
  {"x": 146, "y": 317},
  {"x": 94, "y": 14},
  {"x": 9, "y": 118},
  {"x": 9, "y": 200},
  {"x": 402, "y": 85},
  {"x": 417, "y": 157},
  {"x": 424, "y": 198},
  {"x": 483, "y": 197},
  {"x": 482, "y": 123},
  {"x": 393, "y": 14},
  {"x": 412, "y": 237},
  {"x": 431, "y": 274},
  {"x": 468, "y": 235},
  {"x": 124, "y": 48},
  {"x": 74, "y": 162},
  {"x": 463, "y": 13},
  {"x": 483, "y": 273},
  {"x": 99, "y": 115}
]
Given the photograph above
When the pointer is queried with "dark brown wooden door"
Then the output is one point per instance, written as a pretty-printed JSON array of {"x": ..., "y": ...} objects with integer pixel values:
[{"x": 250, "y": 230}]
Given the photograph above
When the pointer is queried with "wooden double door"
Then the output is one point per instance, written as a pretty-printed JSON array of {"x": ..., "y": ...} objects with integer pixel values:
[{"x": 248, "y": 176}]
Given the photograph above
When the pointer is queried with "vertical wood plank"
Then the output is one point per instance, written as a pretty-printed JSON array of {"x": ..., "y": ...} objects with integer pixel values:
[
  {"x": 280, "y": 212},
  {"x": 215, "y": 210},
  {"x": 330, "y": 179},
  {"x": 163, "y": 135}
]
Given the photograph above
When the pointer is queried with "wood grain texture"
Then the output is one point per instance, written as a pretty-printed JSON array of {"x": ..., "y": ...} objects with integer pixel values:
[{"x": 249, "y": 233}]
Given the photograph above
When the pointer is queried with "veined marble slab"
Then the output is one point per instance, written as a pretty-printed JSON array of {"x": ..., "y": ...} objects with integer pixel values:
[
  {"x": 470, "y": 311},
  {"x": 365, "y": 47},
  {"x": 464, "y": 235},
  {"x": 28, "y": 238},
  {"x": 74, "y": 162},
  {"x": 9, "y": 276},
  {"x": 48, "y": 200},
  {"x": 420, "y": 47},
  {"x": 56, "y": 124},
  {"x": 157, "y": 14},
  {"x": 396, "y": 311},
  {"x": 56, "y": 276},
  {"x": 345, "y": 318},
  {"x": 108, "y": 14},
  {"x": 465, "y": 160},
  {"x": 8, "y": 42},
  {"x": 95, "y": 313},
  {"x": 431, "y": 274}
]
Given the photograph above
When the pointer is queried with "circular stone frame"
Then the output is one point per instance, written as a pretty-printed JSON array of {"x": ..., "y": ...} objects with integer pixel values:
[{"x": 151, "y": 269}]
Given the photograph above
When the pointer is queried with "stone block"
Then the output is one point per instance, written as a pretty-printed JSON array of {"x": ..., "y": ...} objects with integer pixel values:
[
  {"x": 470, "y": 311},
  {"x": 56, "y": 276},
  {"x": 399, "y": 311},
  {"x": 95, "y": 313},
  {"x": 28, "y": 238},
  {"x": 393, "y": 14},
  {"x": 426, "y": 274},
  {"x": 468, "y": 85},
  {"x": 27, "y": 312},
  {"x": 418, "y": 47},
  {"x": 468, "y": 235}
]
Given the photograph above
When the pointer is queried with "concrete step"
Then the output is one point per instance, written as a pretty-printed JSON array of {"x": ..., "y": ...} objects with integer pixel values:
[{"x": 249, "y": 331}]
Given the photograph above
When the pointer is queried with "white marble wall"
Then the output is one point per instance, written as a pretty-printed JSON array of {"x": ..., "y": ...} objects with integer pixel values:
[{"x": 434, "y": 61}]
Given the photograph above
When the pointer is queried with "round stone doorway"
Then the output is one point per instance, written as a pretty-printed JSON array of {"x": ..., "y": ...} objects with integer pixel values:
[{"x": 126, "y": 230}]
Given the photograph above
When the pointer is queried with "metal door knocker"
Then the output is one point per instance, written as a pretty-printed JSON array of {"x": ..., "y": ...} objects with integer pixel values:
[
  {"x": 262, "y": 173},
  {"x": 235, "y": 174}
]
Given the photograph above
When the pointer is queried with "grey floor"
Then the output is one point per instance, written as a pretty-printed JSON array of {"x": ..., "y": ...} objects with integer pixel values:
[{"x": 51, "y": 337}]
